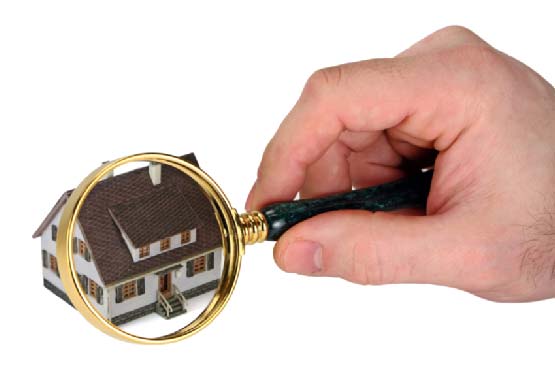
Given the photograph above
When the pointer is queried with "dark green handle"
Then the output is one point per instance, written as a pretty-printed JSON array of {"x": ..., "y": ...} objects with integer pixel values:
[{"x": 410, "y": 192}]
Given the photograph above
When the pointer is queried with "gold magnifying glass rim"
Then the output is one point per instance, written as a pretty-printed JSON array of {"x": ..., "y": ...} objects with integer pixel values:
[{"x": 233, "y": 244}]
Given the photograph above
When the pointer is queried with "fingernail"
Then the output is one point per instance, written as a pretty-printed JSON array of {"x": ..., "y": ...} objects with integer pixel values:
[{"x": 303, "y": 257}]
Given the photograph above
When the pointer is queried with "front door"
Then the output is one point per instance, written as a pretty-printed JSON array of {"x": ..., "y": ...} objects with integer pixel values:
[{"x": 165, "y": 284}]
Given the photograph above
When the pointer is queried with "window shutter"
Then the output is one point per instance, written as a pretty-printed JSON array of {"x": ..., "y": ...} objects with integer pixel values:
[
  {"x": 210, "y": 260},
  {"x": 85, "y": 284},
  {"x": 189, "y": 268},
  {"x": 87, "y": 255},
  {"x": 75, "y": 242},
  {"x": 99, "y": 294},
  {"x": 54, "y": 232},
  {"x": 141, "y": 286},
  {"x": 44, "y": 259},
  {"x": 119, "y": 294}
]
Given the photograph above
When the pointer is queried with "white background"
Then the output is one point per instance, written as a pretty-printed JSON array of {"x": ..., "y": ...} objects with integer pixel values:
[{"x": 82, "y": 83}]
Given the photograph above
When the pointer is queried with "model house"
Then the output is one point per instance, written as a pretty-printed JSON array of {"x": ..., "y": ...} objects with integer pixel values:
[{"x": 146, "y": 241}]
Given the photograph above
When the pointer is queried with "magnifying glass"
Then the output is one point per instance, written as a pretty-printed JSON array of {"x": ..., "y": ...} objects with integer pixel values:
[{"x": 152, "y": 254}]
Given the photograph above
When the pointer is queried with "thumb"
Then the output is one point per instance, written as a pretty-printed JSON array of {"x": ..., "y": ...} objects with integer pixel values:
[{"x": 370, "y": 248}]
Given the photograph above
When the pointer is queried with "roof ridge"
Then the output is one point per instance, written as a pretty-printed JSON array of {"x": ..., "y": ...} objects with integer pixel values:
[
  {"x": 189, "y": 157},
  {"x": 52, "y": 213}
]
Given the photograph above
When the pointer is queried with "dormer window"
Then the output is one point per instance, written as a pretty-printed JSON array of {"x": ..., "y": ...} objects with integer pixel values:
[
  {"x": 164, "y": 244},
  {"x": 144, "y": 251},
  {"x": 161, "y": 219},
  {"x": 185, "y": 236}
]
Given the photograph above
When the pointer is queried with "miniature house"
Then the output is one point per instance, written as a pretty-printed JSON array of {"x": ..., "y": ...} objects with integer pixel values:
[{"x": 146, "y": 241}]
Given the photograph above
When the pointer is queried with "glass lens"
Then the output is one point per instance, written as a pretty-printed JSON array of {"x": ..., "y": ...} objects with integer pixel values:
[{"x": 148, "y": 249}]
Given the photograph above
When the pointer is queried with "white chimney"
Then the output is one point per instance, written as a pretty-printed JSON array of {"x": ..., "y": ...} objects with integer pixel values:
[
  {"x": 110, "y": 173},
  {"x": 155, "y": 172}
]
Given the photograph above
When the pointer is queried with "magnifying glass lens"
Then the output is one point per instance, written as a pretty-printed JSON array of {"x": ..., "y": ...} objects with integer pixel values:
[
  {"x": 147, "y": 248},
  {"x": 151, "y": 253}
]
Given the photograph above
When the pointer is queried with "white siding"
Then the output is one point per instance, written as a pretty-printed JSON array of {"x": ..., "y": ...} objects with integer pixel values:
[
  {"x": 81, "y": 265},
  {"x": 179, "y": 278},
  {"x": 128, "y": 305},
  {"x": 175, "y": 242},
  {"x": 185, "y": 283},
  {"x": 109, "y": 308}
]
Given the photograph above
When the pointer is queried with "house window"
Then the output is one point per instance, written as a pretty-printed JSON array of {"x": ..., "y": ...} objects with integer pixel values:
[
  {"x": 92, "y": 288},
  {"x": 82, "y": 247},
  {"x": 196, "y": 265},
  {"x": 199, "y": 264},
  {"x": 185, "y": 236},
  {"x": 54, "y": 229},
  {"x": 129, "y": 290},
  {"x": 144, "y": 251},
  {"x": 53, "y": 264},
  {"x": 164, "y": 244},
  {"x": 95, "y": 291}
]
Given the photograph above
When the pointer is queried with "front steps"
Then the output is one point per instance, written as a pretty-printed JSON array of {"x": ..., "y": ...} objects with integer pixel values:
[{"x": 176, "y": 305}]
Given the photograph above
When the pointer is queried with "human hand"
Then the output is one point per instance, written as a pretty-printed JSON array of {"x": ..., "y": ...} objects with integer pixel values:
[{"x": 486, "y": 122}]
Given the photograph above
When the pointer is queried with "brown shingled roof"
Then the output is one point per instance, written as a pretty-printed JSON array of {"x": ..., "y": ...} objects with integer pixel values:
[
  {"x": 48, "y": 219},
  {"x": 108, "y": 249},
  {"x": 161, "y": 213}
]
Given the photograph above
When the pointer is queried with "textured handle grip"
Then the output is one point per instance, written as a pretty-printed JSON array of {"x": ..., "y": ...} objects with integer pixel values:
[{"x": 410, "y": 192}]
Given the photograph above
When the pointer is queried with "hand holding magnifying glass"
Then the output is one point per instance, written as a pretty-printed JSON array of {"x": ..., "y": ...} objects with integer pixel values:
[
  {"x": 163, "y": 241},
  {"x": 490, "y": 175},
  {"x": 485, "y": 120}
]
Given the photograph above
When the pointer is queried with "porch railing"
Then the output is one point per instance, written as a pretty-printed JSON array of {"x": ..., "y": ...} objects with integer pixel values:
[
  {"x": 180, "y": 296},
  {"x": 165, "y": 304}
]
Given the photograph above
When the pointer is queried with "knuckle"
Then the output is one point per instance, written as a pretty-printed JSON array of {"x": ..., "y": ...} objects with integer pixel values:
[
  {"x": 477, "y": 55},
  {"x": 323, "y": 80},
  {"x": 480, "y": 68},
  {"x": 366, "y": 265},
  {"x": 364, "y": 268},
  {"x": 457, "y": 31}
]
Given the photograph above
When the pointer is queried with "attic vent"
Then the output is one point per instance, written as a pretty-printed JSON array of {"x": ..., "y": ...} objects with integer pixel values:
[{"x": 155, "y": 172}]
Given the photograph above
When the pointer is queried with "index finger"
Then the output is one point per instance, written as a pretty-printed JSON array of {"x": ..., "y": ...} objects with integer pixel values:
[{"x": 372, "y": 95}]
